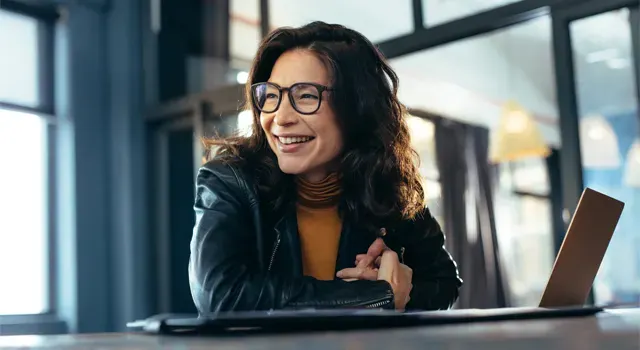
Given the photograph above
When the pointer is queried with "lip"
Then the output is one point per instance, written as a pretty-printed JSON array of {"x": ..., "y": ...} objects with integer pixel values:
[
  {"x": 290, "y": 135},
  {"x": 290, "y": 148}
]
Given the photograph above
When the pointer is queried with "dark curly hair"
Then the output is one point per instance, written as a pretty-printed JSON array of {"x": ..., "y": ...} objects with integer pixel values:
[{"x": 380, "y": 180}]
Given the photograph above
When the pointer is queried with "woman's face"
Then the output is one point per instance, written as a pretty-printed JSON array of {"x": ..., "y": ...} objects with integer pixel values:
[{"x": 305, "y": 144}]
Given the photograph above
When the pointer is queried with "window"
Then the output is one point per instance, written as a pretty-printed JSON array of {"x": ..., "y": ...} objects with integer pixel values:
[
  {"x": 423, "y": 142},
  {"x": 525, "y": 228},
  {"x": 610, "y": 141},
  {"x": 377, "y": 21},
  {"x": 437, "y": 12},
  {"x": 24, "y": 210},
  {"x": 245, "y": 35}
]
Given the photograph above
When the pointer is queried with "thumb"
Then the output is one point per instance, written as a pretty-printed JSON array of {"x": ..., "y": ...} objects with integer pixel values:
[
  {"x": 376, "y": 248},
  {"x": 388, "y": 263}
]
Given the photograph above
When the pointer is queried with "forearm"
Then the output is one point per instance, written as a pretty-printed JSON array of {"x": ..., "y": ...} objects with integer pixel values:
[{"x": 238, "y": 289}]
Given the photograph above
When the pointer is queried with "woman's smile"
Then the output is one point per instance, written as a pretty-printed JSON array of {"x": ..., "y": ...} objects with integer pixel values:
[{"x": 291, "y": 144}]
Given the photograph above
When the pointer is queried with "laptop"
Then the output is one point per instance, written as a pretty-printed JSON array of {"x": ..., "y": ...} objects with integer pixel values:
[
  {"x": 566, "y": 292},
  {"x": 582, "y": 250}
]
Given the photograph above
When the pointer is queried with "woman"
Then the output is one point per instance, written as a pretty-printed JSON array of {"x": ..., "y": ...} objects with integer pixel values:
[{"x": 322, "y": 206}]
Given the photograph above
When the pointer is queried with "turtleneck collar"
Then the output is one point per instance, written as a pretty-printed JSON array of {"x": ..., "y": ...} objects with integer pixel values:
[{"x": 323, "y": 194}]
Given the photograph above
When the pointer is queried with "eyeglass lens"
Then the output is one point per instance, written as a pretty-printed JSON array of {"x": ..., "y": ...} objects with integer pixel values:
[{"x": 305, "y": 98}]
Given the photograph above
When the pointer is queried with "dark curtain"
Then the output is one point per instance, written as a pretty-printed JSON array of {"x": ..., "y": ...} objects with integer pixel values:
[{"x": 467, "y": 182}]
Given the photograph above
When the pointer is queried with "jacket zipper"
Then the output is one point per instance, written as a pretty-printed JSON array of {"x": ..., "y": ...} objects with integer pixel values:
[
  {"x": 273, "y": 254},
  {"x": 378, "y": 304}
]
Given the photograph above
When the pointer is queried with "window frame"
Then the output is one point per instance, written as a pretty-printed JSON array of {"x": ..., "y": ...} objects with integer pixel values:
[{"x": 46, "y": 15}]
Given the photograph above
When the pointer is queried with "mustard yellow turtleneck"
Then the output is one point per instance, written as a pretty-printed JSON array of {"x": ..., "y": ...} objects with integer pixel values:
[{"x": 319, "y": 226}]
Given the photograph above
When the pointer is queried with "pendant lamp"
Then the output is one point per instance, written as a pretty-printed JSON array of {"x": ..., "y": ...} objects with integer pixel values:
[
  {"x": 598, "y": 143},
  {"x": 517, "y": 136},
  {"x": 632, "y": 172}
]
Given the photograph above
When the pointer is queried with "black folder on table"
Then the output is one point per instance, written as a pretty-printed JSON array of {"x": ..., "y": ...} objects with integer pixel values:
[{"x": 328, "y": 320}]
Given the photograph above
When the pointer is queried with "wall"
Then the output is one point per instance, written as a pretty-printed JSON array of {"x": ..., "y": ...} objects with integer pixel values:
[{"x": 100, "y": 236}]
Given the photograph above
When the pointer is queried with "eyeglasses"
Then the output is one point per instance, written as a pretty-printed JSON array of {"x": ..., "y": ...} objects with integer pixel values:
[{"x": 305, "y": 98}]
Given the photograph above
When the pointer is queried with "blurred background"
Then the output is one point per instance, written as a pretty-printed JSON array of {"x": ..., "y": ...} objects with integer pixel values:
[{"x": 516, "y": 107}]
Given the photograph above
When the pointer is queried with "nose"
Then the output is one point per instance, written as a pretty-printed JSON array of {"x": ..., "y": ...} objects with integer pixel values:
[{"x": 285, "y": 115}]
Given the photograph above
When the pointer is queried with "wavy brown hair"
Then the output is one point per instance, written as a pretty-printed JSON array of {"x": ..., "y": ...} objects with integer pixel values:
[{"x": 380, "y": 179}]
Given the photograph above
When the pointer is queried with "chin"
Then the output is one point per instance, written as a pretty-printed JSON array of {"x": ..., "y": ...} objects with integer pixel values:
[{"x": 291, "y": 167}]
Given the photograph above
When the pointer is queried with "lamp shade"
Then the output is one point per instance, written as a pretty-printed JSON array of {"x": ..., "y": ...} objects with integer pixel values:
[
  {"x": 598, "y": 143},
  {"x": 632, "y": 172},
  {"x": 516, "y": 137}
]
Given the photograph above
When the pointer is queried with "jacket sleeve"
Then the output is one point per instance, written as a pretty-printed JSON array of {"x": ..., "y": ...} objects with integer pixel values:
[
  {"x": 435, "y": 274},
  {"x": 225, "y": 273}
]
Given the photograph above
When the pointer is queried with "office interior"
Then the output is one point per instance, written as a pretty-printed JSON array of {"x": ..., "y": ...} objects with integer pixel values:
[{"x": 514, "y": 108}]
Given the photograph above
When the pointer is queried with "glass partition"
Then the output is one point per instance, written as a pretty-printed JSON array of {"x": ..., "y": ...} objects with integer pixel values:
[{"x": 610, "y": 141}]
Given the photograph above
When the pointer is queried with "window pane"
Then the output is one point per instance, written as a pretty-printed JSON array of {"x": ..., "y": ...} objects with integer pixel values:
[
  {"x": 437, "y": 12},
  {"x": 379, "y": 21},
  {"x": 23, "y": 214},
  {"x": 423, "y": 142},
  {"x": 526, "y": 244},
  {"x": 526, "y": 175},
  {"x": 19, "y": 59},
  {"x": 244, "y": 29},
  {"x": 610, "y": 142},
  {"x": 470, "y": 80}
]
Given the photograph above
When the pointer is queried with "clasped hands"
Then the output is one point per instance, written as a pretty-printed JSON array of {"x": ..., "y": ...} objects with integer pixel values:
[{"x": 382, "y": 263}]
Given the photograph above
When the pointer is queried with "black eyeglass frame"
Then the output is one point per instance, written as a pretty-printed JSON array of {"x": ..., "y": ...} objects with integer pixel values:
[{"x": 321, "y": 89}]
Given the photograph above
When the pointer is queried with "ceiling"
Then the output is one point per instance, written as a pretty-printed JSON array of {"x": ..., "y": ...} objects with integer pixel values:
[{"x": 470, "y": 79}]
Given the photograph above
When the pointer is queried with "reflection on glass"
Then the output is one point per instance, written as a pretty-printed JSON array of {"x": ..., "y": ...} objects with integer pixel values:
[
  {"x": 632, "y": 173},
  {"x": 23, "y": 224},
  {"x": 470, "y": 80},
  {"x": 600, "y": 147},
  {"x": 605, "y": 86},
  {"x": 19, "y": 59},
  {"x": 437, "y": 12}
]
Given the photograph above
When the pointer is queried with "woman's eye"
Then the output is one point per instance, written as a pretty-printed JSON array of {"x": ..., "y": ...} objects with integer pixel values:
[
  {"x": 309, "y": 96},
  {"x": 271, "y": 95}
]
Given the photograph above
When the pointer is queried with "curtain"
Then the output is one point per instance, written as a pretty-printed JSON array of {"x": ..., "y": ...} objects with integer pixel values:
[{"x": 467, "y": 181}]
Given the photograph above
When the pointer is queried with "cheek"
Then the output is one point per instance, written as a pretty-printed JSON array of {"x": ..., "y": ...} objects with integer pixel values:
[
  {"x": 332, "y": 139},
  {"x": 265, "y": 121}
]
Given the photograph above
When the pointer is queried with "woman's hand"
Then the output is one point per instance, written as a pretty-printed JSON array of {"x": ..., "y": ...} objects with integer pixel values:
[
  {"x": 398, "y": 275},
  {"x": 366, "y": 265},
  {"x": 381, "y": 263}
]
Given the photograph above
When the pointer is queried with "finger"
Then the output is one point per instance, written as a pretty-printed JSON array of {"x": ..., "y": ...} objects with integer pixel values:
[
  {"x": 376, "y": 248},
  {"x": 366, "y": 263},
  {"x": 388, "y": 263},
  {"x": 358, "y": 273},
  {"x": 360, "y": 257},
  {"x": 389, "y": 257}
]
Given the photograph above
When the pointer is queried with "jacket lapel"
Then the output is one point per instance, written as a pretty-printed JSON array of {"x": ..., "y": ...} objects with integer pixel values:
[
  {"x": 354, "y": 240},
  {"x": 287, "y": 229}
]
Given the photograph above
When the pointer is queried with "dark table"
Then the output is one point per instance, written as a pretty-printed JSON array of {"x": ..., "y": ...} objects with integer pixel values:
[{"x": 612, "y": 329}]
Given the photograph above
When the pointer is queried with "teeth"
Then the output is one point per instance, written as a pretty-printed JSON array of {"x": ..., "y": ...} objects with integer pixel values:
[{"x": 290, "y": 140}]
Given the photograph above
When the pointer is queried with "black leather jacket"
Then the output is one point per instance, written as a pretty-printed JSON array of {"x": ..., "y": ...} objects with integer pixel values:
[{"x": 240, "y": 263}]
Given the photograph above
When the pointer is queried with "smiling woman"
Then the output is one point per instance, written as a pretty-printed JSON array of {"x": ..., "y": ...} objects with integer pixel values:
[{"x": 322, "y": 205}]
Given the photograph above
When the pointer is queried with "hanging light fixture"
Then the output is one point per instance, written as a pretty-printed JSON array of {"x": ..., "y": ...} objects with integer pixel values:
[
  {"x": 517, "y": 136},
  {"x": 632, "y": 173},
  {"x": 598, "y": 143}
]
